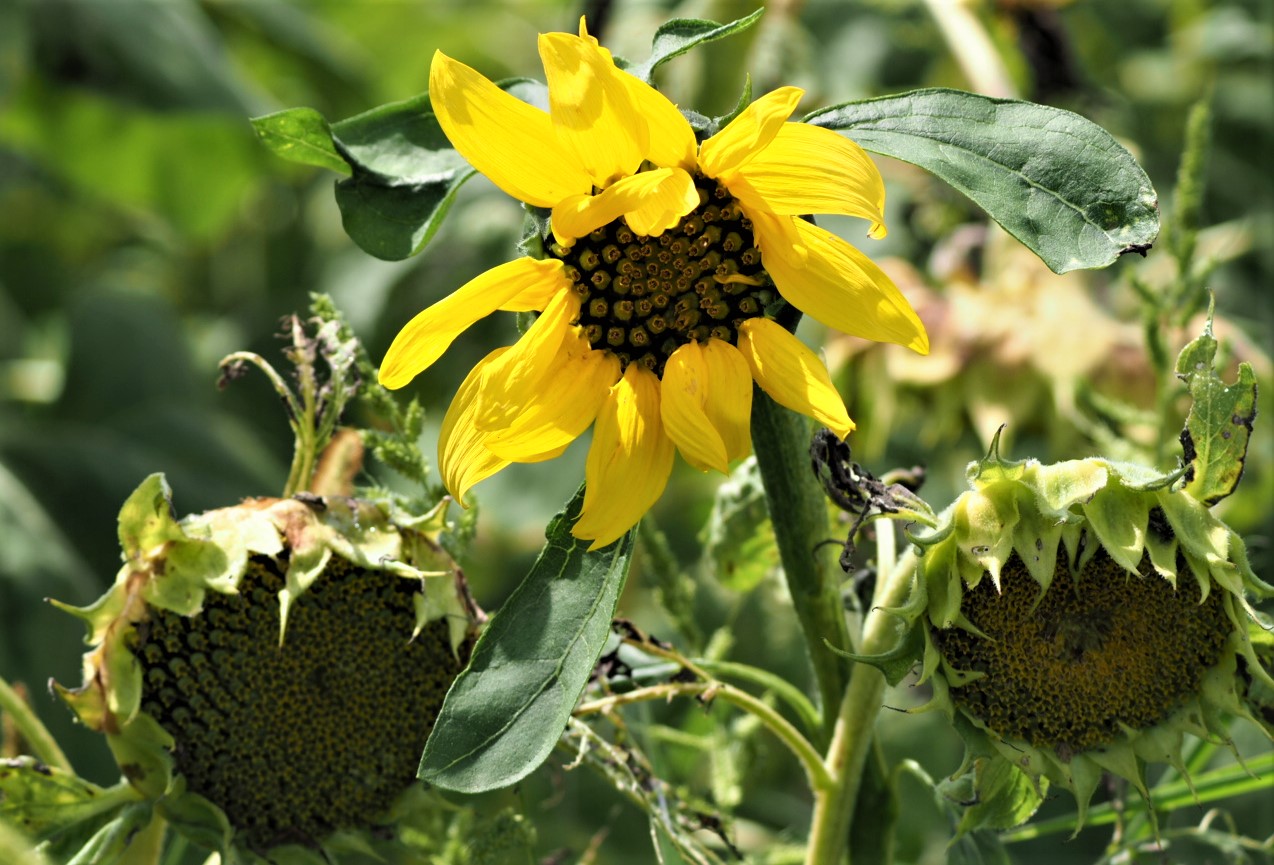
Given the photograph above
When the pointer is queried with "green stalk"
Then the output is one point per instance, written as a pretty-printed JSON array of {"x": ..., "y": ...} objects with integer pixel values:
[
  {"x": 32, "y": 730},
  {"x": 786, "y": 733},
  {"x": 798, "y": 510},
  {"x": 852, "y": 737}
]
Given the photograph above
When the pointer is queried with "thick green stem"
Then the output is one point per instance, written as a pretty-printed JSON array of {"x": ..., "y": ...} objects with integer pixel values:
[
  {"x": 798, "y": 510},
  {"x": 851, "y": 739},
  {"x": 32, "y": 730}
]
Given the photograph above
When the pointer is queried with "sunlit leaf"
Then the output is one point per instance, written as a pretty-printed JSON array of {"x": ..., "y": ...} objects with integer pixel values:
[
  {"x": 506, "y": 711},
  {"x": 300, "y": 135},
  {"x": 1057, "y": 182},
  {"x": 679, "y": 35},
  {"x": 1217, "y": 430}
]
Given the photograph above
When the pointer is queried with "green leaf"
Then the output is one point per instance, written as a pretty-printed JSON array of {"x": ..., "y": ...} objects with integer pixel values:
[
  {"x": 406, "y": 175},
  {"x": 1219, "y": 425},
  {"x": 42, "y": 800},
  {"x": 739, "y": 547},
  {"x": 1005, "y": 797},
  {"x": 506, "y": 711},
  {"x": 300, "y": 135},
  {"x": 1057, "y": 182},
  {"x": 146, "y": 519},
  {"x": 679, "y": 35}
]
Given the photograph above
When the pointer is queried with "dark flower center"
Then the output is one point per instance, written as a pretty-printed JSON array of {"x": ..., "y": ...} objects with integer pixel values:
[
  {"x": 1094, "y": 655},
  {"x": 322, "y": 733},
  {"x": 642, "y": 298}
]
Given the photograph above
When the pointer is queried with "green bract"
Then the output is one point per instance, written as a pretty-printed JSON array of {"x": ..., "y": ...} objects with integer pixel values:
[
  {"x": 1081, "y": 617},
  {"x": 267, "y": 674}
]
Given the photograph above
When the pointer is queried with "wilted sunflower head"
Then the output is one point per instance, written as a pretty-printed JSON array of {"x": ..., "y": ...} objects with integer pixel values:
[
  {"x": 1081, "y": 617},
  {"x": 268, "y": 674}
]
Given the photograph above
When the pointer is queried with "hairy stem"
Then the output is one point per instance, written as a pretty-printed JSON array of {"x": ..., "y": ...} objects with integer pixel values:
[
  {"x": 798, "y": 511},
  {"x": 852, "y": 736}
]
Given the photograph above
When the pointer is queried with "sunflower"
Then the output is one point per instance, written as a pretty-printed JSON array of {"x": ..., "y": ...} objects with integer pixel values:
[
  {"x": 267, "y": 674},
  {"x": 1082, "y": 617},
  {"x": 663, "y": 258}
]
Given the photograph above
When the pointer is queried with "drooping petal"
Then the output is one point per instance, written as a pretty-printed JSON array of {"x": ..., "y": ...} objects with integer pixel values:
[
  {"x": 629, "y": 461},
  {"x": 729, "y": 405},
  {"x": 823, "y": 276},
  {"x": 426, "y": 337},
  {"x": 664, "y": 206},
  {"x": 806, "y": 169},
  {"x": 791, "y": 374},
  {"x": 510, "y": 384},
  {"x": 671, "y": 139},
  {"x": 576, "y": 216},
  {"x": 463, "y": 459},
  {"x": 748, "y": 134},
  {"x": 706, "y": 403},
  {"x": 563, "y": 407},
  {"x": 510, "y": 142},
  {"x": 593, "y": 115},
  {"x": 683, "y": 393}
]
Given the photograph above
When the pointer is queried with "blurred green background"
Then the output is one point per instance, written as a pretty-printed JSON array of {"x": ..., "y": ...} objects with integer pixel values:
[{"x": 145, "y": 233}]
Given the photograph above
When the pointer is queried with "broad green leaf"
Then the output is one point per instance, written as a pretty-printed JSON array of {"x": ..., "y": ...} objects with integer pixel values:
[
  {"x": 1217, "y": 430},
  {"x": 406, "y": 175},
  {"x": 1057, "y": 182},
  {"x": 506, "y": 711},
  {"x": 679, "y": 35},
  {"x": 300, "y": 135}
]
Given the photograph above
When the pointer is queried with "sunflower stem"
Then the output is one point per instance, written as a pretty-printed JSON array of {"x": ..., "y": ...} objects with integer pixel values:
[
  {"x": 786, "y": 733},
  {"x": 852, "y": 737},
  {"x": 31, "y": 729},
  {"x": 798, "y": 511}
]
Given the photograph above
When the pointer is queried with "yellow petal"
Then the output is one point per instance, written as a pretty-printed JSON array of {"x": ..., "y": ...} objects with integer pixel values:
[
  {"x": 663, "y": 207},
  {"x": 463, "y": 459},
  {"x": 683, "y": 394},
  {"x": 563, "y": 408},
  {"x": 706, "y": 404},
  {"x": 729, "y": 404},
  {"x": 593, "y": 116},
  {"x": 671, "y": 140},
  {"x": 426, "y": 337},
  {"x": 806, "y": 169},
  {"x": 511, "y": 383},
  {"x": 748, "y": 134},
  {"x": 832, "y": 281},
  {"x": 629, "y": 461},
  {"x": 512, "y": 143},
  {"x": 791, "y": 374},
  {"x": 576, "y": 216}
]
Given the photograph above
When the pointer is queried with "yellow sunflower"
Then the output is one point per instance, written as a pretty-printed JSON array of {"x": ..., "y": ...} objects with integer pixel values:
[{"x": 664, "y": 257}]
